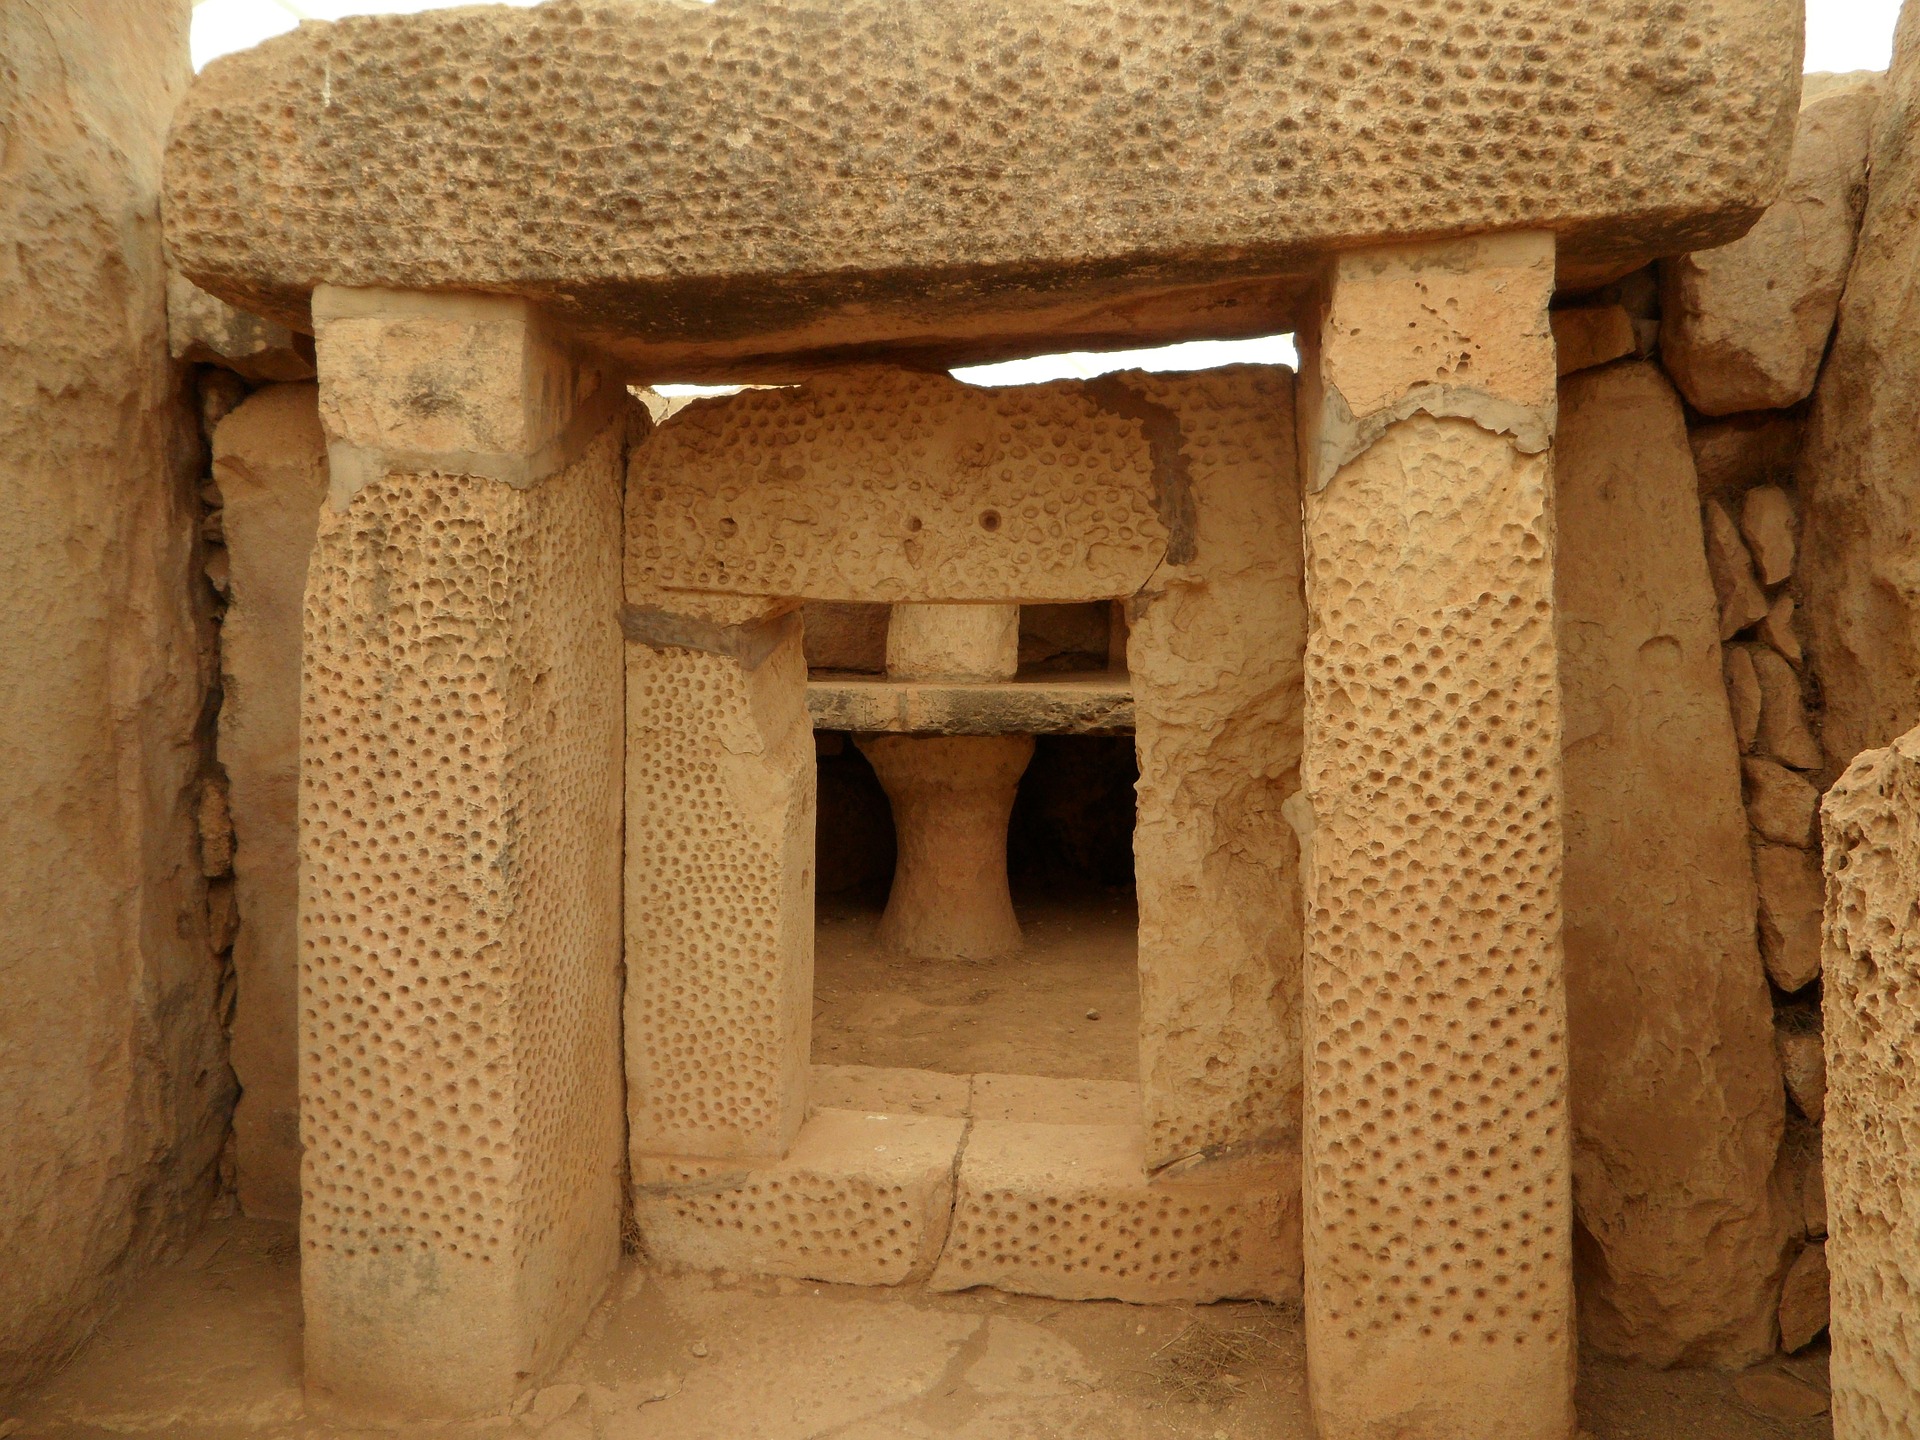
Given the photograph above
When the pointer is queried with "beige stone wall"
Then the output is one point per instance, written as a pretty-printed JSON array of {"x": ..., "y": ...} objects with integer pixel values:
[
  {"x": 1214, "y": 656},
  {"x": 1677, "y": 1103},
  {"x": 113, "y": 1075},
  {"x": 270, "y": 464}
]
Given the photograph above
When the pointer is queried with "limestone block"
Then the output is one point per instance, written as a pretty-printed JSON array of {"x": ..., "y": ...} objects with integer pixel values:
[
  {"x": 1777, "y": 629},
  {"x": 953, "y": 642},
  {"x": 1055, "y": 1101},
  {"x": 845, "y": 637},
  {"x": 1067, "y": 1211},
  {"x": 881, "y": 1090},
  {"x": 1741, "y": 451},
  {"x": 932, "y": 491},
  {"x": 1767, "y": 522},
  {"x": 1859, "y": 472},
  {"x": 1432, "y": 774},
  {"x": 460, "y": 926},
  {"x": 1805, "y": 1306},
  {"x": 1790, "y": 902},
  {"x": 113, "y": 1075},
  {"x": 1804, "y": 1175},
  {"x": 861, "y": 1199},
  {"x": 1590, "y": 335},
  {"x": 1676, "y": 1092},
  {"x": 1781, "y": 805},
  {"x": 1871, "y": 823},
  {"x": 270, "y": 464},
  {"x": 1741, "y": 600},
  {"x": 1783, "y": 732},
  {"x": 1097, "y": 703},
  {"x": 1130, "y": 179},
  {"x": 1745, "y": 326},
  {"x": 952, "y": 796},
  {"x": 721, "y": 796},
  {"x": 1215, "y": 654},
  {"x": 1743, "y": 694},
  {"x": 1803, "y": 1058},
  {"x": 208, "y": 331}
]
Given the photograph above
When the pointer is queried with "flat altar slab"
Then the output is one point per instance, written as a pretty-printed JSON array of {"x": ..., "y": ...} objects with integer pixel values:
[
  {"x": 742, "y": 190},
  {"x": 1097, "y": 704}
]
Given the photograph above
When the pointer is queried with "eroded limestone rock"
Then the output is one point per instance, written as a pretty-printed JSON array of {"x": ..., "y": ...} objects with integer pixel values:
[
  {"x": 1805, "y": 1306},
  {"x": 1768, "y": 525},
  {"x": 1798, "y": 1038},
  {"x": 1789, "y": 884},
  {"x": 1744, "y": 327},
  {"x": 1783, "y": 732},
  {"x": 207, "y": 330},
  {"x": 1676, "y": 1091},
  {"x": 1781, "y": 805},
  {"x": 1743, "y": 694},
  {"x": 1742, "y": 451},
  {"x": 1741, "y": 600}
]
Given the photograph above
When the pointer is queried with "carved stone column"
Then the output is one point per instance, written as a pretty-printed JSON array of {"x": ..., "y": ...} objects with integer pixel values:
[
  {"x": 459, "y": 854},
  {"x": 951, "y": 795},
  {"x": 1438, "y": 1206}
]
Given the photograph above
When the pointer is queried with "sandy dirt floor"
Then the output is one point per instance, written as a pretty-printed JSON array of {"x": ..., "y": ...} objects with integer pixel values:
[
  {"x": 1028, "y": 1015},
  {"x": 209, "y": 1349}
]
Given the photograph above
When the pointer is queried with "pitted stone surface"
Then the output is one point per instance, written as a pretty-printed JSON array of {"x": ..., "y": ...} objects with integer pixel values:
[
  {"x": 756, "y": 178},
  {"x": 878, "y": 484}
]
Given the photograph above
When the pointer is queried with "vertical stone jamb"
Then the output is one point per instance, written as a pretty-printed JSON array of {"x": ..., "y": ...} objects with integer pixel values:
[
  {"x": 1437, "y": 1192},
  {"x": 459, "y": 854}
]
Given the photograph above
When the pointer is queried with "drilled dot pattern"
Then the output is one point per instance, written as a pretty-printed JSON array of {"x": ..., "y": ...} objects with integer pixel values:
[
  {"x": 460, "y": 887},
  {"x": 625, "y": 159},
  {"x": 1215, "y": 657},
  {"x": 1437, "y": 1161},
  {"x": 720, "y": 822},
  {"x": 886, "y": 485},
  {"x": 1871, "y": 979}
]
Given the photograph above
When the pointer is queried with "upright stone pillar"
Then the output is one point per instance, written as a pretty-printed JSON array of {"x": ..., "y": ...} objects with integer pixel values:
[
  {"x": 459, "y": 854},
  {"x": 1437, "y": 1193}
]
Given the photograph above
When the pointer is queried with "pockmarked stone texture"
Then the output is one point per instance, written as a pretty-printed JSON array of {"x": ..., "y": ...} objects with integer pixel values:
[
  {"x": 930, "y": 489},
  {"x": 1871, "y": 822},
  {"x": 1215, "y": 653},
  {"x": 1676, "y": 1092},
  {"x": 1745, "y": 326},
  {"x": 113, "y": 1074},
  {"x": 1859, "y": 469},
  {"x": 460, "y": 894},
  {"x": 991, "y": 176},
  {"x": 270, "y": 463},
  {"x": 1438, "y": 1201}
]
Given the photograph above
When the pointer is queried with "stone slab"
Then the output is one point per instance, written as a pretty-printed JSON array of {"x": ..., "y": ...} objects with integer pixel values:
[
  {"x": 736, "y": 188},
  {"x": 1100, "y": 704},
  {"x": 1067, "y": 1211},
  {"x": 888, "y": 1090},
  {"x": 859, "y": 1200},
  {"x": 1055, "y": 1101}
]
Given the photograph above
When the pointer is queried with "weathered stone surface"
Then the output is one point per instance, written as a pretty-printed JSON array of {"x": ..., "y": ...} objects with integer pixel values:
[
  {"x": 1790, "y": 903},
  {"x": 1870, "y": 973},
  {"x": 845, "y": 637},
  {"x": 1783, "y": 732},
  {"x": 270, "y": 463},
  {"x": 1744, "y": 327},
  {"x": 1778, "y": 629},
  {"x": 113, "y": 1075},
  {"x": 1743, "y": 695},
  {"x": 1741, "y": 451},
  {"x": 1433, "y": 877},
  {"x": 1741, "y": 600},
  {"x": 1055, "y": 1101},
  {"x": 1859, "y": 472},
  {"x": 1074, "y": 705},
  {"x": 1068, "y": 1211},
  {"x": 1803, "y": 1058},
  {"x": 1767, "y": 523},
  {"x": 1777, "y": 1395},
  {"x": 1676, "y": 1092},
  {"x": 1215, "y": 654},
  {"x": 209, "y": 331},
  {"x": 1590, "y": 335},
  {"x": 861, "y": 1199},
  {"x": 705, "y": 228},
  {"x": 883, "y": 1090},
  {"x": 953, "y": 642},
  {"x": 1781, "y": 805},
  {"x": 1805, "y": 1306}
]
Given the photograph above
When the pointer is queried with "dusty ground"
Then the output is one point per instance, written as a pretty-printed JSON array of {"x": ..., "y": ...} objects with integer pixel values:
[
  {"x": 210, "y": 1350},
  {"x": 1026, "y": 1015}
]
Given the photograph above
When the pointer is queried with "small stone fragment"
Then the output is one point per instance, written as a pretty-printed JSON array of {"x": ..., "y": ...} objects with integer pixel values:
[
  {"x": 553, "y": 1402},
  {"x": 1591, "y": 335},
  {"x": 1804, "y": 1302},
  {"x": 1777, "y": 629},
  {"x": 1791, "y": 895},
  {"x": 1743, "y": 695},
  {"x": 1780, "y": 804},
  {"x": 698, "y": 1349},
  {"x": 1741, "y": 600},
  {"x": 221, "y": 392},
  {"x": 1783, "y": 732},
  {"x": 1779, "y": 1396},
  {"x": 1798, "y": 1038},
  {"x": 216, "y": 829},
  {"x": 1766, "y": 520}
]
